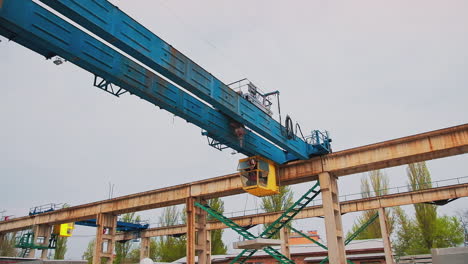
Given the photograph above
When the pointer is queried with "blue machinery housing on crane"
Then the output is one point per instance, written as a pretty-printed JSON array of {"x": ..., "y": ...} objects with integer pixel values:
[
  {"x": 239, "y": 120},
  {"x": 237, "y": 115},
  {"x": 122, "y": 226}
]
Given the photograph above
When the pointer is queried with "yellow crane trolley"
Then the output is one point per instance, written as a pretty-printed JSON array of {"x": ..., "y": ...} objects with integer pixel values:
[
  {"x": 64, "y": 230},
  {"x": 258, "y": 176}
]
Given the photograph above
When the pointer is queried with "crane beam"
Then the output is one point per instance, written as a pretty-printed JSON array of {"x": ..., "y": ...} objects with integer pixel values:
[
  {"x": 430, "y": 145},
  {"x": 364, "y": 204},
  {"x": 113, "y": 25},
  {"x": 38, "y": 29}
]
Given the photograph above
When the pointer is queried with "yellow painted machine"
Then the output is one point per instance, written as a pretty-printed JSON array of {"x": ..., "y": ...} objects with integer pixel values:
[
  {"x": 64, "y": 230},
  {"x": 258, "y": 176}
]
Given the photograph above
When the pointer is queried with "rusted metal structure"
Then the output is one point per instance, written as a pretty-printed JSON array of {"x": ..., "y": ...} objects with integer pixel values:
[
  {"x": 220, "y": 112},
  {"x": 385, "y": 201},
  {"x": 431, "y": 145}
]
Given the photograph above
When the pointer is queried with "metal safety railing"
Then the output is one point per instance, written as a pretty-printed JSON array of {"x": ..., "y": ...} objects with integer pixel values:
[
  {"x": 405, "y": 188},
  {"x": 361, "y": 195},
  {"x": 343, "y": 198},
  {"x": 45, "y": 208}
]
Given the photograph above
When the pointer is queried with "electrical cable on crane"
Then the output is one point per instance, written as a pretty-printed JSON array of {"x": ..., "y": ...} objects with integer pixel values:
[{"x": 289, "y": 133}]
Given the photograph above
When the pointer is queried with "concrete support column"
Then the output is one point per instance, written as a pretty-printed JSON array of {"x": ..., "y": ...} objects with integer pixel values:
[
  {"x": 32, "y": 251},
  {"x": 385, "y": 237},
  {"x": 333, "y": 224},
  {"x": 42, "y": 236},
  {"x": 2, "y": 239},
  {"x": 190, "y": 210},
  {"x": 144, "y": 247},
  {"x": 203, "y": 240},
  {"x": 198, "y": 237},
  {"x": 208, "y": 246},
  {"x": 284, "y": 236},
  {"x": 105, "y": 238}
]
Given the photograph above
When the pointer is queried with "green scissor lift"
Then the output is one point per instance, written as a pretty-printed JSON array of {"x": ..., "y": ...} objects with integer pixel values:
[{"x": 26, "y": 243}]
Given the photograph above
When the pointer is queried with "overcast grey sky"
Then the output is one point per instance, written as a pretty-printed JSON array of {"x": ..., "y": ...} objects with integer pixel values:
[{"x": 367, "y": 71}]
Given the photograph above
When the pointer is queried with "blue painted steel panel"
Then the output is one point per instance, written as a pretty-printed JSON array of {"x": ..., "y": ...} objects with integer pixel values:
[
  {"x": 36, "y": 28},
  {"x": 121, "y": 226},
  {"x": 116, "y": 27}
]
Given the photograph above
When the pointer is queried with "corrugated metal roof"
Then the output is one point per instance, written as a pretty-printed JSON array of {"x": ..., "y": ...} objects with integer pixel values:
[
  {"x": 312, "y": 248},
  {"x": 19, "y": 260},
  {"x": 214, "y": 258},
  {"x": 304, "y": 249},
  {"x": 354, "y": 256}
]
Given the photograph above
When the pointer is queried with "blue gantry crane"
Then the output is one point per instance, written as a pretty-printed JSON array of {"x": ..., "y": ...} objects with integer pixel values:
[
  {"x": 123, "y": 226},
  {"x": 241, "y": 120},
  {"x": 27, "y": 241},
  {"x": 236, "y": 115}
]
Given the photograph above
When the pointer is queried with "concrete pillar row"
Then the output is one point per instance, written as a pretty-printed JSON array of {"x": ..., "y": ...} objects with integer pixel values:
[{"x": 333, "y": 222}]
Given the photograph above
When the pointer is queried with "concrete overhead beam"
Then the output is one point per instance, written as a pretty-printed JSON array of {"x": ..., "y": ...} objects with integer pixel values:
[
  {"x": 384, "y": 201},
  {"x": 425, "y": 146},
  {"x": 431, "y": 145}
]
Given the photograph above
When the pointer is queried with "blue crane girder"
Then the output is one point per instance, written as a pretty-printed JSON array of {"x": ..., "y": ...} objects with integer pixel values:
[
  {"x": 121, "y": 225},
  {"x": 113, "y": 25},
  {"x": 34, "y": 27}
]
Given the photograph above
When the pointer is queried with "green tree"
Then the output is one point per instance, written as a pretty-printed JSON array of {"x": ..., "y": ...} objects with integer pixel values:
[
  {"x": 375, "y": 183},
  {"x": 278, "y": 202},
  {"x": 89, "y": 252},
  {"x": 134, "y": 256},
  {"x": 7, "y": 245},
  {"x": 408, "y": 238},
  {"x": 448, "y": 232},
  {"x": 426, "y": 214},
  {"x": 463, "y": 216},
  {"x": 427, "y": 230},
  {"x": 122, "y": 249},
  {"x": 217, "y": 244},
  {"x": 61, "y": 247},
  {"x": 168, "y": 248}
]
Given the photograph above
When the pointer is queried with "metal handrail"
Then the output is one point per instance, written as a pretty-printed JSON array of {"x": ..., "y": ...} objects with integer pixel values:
[{"x": 356, "y": 196}]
